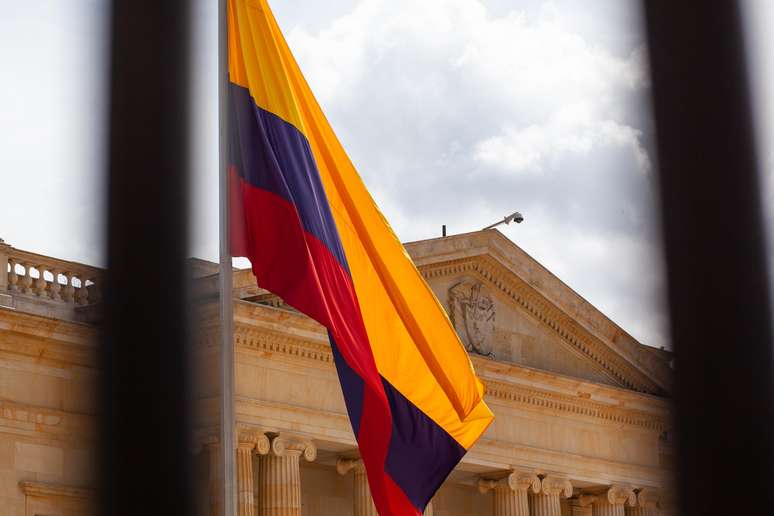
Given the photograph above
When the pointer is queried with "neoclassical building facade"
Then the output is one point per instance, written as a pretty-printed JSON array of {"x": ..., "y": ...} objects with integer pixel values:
[{"x": 582, "y": 410}]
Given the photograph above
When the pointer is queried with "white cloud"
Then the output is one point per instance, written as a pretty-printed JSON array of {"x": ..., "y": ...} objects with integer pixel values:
[
  {"x": 571, "y": 130},
  {"x": 457, "y": 114}
]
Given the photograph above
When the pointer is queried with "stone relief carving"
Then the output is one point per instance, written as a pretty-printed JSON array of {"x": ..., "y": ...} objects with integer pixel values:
[{"x": 472, "y": 312}]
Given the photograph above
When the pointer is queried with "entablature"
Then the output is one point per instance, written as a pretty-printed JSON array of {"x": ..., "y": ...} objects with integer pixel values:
[{"x": 271, "y": 332}]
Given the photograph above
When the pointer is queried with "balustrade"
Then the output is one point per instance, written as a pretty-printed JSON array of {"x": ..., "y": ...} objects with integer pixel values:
[{"x": 48, "y": 278}]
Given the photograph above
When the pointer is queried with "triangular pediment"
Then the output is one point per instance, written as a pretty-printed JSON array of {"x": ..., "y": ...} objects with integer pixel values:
[{"x": 508, "y": 307}]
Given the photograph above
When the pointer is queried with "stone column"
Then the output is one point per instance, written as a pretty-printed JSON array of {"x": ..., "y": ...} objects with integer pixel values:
[
  {"x": 511, "y": 493},
  {"x": 279, "y": 476},
  {"x": 611, "y": 502},
  {"x": 248, "y": 443},
  {"x": 362, "y": 503},
  {"x": 580, "y": 506},
  {"x": 214, "y": 479},
  {"x": 546, "y": 502},
  {"x": 647, "y": 504},
  {"x": 668, "y": 502}
]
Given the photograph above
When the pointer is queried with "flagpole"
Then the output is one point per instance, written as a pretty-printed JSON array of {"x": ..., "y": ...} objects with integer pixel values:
[{"x": 225, "y": 278}]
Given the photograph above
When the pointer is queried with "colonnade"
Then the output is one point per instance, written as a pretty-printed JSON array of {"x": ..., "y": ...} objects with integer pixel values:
[
  {"x": 275, "y": 488},
  {"x": 526, "y": 494},
  {"x": 522, "y": 493},
  {"x": 278, "y": 479}
]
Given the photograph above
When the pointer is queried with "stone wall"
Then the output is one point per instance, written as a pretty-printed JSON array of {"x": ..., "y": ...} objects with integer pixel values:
[{"x": 47, "y": 407}]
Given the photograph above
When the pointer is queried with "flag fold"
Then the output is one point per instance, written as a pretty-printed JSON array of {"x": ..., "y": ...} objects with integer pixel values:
[{"x": 314, "y": 236}]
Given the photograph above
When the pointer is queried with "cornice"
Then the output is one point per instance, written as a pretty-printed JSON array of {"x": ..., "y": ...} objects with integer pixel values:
[
  {"x": 273, "y": 342},
  {"x": 613, "y": 365}
]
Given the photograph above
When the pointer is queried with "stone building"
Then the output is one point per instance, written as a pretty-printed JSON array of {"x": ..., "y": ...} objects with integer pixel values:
[{"x": 582, "y": 411}]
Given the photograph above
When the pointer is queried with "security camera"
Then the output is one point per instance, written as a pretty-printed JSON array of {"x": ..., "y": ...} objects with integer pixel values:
[
  {"x": 514, "y": 216},
  {"x": 518, "y": 217}
]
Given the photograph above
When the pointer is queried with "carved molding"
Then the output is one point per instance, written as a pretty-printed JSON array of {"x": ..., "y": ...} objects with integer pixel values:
[
  {"x": 524, "y": 295},
  {"x": 268, "y": 341},
  {"x": 573, "y": 405}
]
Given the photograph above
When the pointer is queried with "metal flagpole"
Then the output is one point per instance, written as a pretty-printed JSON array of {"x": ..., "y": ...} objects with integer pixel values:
[{"x": 226, "y": 309}]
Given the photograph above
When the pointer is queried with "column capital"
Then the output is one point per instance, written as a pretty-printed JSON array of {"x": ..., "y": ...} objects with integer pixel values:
[
  {"x": 252, "y": 439},
  {"x": 556, "y": 485},
  {"x": 584, "y": 500},
  {"x": 344, "y": 465},
  {"x": 517, "y": 480},
  {"x": 288, "y": 446},
  {"x": 648, "y": 498},
  {"x": 203, "y": 440},
  {"x": 619, "y": 495}
]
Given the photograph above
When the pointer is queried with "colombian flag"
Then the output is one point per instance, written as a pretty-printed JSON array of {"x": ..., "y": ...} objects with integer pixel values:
[{"x": 315, "y": 237}]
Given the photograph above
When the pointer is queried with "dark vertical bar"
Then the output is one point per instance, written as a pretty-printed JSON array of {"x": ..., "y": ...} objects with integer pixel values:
[
  {"x": 145, "y": 409},
  {"x": 714, "y": 238}
]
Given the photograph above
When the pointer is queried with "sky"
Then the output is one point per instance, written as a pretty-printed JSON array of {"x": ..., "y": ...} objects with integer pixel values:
[{"x": 455, "y": 112}]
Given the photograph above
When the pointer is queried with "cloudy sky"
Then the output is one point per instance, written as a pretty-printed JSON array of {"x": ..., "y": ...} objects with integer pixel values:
[{"x": 455, "y": 112}]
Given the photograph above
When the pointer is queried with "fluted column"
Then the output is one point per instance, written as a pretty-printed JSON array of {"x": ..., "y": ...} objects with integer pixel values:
[
  {"x": 279, "y": 476},
  {"x": 647, "y": 504},
  {"x": 546, "y": 502},
  {"x": 612, "y": 501},
  {"x": 248, "y": 443},
  {"x": 245, "y": 500},
  {"x": 580, "y": 507},
  {"x": 214, "y": 478},
  {"x": 511, "y": 493},
  {"x": 362, "y": 503}
]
